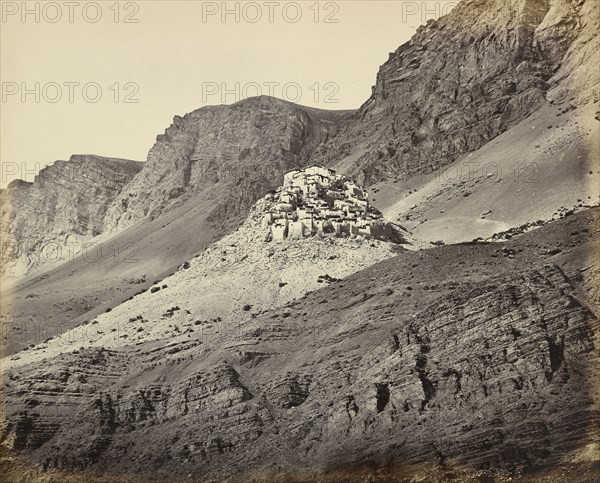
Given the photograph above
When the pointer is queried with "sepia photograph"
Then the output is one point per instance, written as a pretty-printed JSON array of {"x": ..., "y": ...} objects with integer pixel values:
[{"x": 351, "y": 241}]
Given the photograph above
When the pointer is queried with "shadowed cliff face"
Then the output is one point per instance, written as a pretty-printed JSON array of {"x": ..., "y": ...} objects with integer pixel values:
[
  {"x": 477, "y": 358},
  {"x": 63, "y": 208}
]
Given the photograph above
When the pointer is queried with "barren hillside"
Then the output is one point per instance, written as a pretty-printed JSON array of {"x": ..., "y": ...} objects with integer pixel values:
[
  {"x": 458, "y": 362},
  {"x": 193, "y": 346}
]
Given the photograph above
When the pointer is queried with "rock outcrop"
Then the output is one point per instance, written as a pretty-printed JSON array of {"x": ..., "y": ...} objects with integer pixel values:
[
  {"x": 469, "y": 76},
  {"x": 48, "y": 220}
]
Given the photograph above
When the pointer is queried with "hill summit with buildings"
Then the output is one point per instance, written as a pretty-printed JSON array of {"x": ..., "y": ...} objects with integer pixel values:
[
  {"x": 313, "y": 231},
  {"x": 318, "y": 201}
]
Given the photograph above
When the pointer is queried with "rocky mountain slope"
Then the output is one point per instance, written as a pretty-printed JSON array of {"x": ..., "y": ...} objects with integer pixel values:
[
  {"x": 540, "y": 168},
  {"x": 50, "y": 219},
  {"x": 456, "y": 363},
  {"x": 111, "y": 270},
  {"x": 466, "y": 78},
  {"x": 440, "y": 96},
  {"x": 244, "y": 149}
]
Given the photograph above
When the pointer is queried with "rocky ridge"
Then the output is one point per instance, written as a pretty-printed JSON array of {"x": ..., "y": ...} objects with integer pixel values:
[
  {"x": 469, "y": 76},
  {"x": 244, "y": 149},
  {"x": 50, "y": 219}
]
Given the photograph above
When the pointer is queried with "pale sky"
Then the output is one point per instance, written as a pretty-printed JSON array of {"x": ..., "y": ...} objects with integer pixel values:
[{"x": 177, "y": 57}]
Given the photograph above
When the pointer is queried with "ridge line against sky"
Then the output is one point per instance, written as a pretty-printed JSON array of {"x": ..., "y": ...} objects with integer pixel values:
[{"x": 106, "y": 80}]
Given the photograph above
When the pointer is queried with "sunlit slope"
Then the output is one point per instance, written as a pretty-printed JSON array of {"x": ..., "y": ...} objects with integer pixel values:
[{"x": 545, "y": 165}]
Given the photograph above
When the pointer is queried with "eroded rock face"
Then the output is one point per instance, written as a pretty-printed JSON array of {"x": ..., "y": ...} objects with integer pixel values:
[
  {"x": 242, "y": 150},
  {"x": 60, "y": 210},
  {"x": 571, "y": 27},
  {"x": 451, "y": 359},
  {"x": 468, "y": 77}
]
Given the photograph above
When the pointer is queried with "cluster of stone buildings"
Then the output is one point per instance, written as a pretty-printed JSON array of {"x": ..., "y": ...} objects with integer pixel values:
[{"x": 317, "y": 200}]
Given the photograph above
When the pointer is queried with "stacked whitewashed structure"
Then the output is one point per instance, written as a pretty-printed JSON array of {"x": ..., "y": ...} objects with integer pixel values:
[{"x": 316, "y": 200}]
